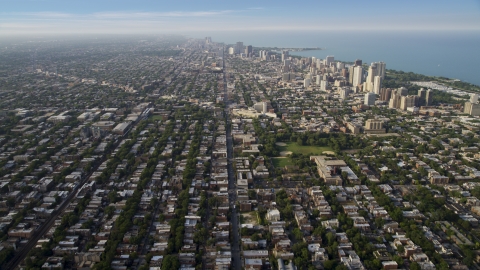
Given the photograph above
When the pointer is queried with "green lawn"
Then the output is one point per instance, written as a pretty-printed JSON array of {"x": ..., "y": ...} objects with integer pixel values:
[
  {"x": 304, "y": 149},
  {"x": 157, "y": 117},
  {"x": 281, "y": 162}
]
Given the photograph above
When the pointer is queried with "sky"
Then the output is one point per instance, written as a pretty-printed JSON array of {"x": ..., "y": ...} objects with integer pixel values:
[{"x": 26, "y": 17}]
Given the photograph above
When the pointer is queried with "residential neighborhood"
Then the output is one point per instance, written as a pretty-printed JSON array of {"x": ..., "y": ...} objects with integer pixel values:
[{"x": 178, "y": 153}]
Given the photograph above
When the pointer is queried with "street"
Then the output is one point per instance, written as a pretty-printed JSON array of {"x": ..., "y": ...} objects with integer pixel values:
[{"x": 237, "y": 264}]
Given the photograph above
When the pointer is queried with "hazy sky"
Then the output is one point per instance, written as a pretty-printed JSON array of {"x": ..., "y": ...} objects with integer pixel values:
[{"x": 187, "y": 16}]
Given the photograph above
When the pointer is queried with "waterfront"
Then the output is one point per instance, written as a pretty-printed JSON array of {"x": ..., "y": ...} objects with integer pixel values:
[{"x": 441, "y": 53}]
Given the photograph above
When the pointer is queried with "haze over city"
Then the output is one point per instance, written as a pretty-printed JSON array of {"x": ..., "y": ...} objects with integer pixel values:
[{"x": 186, "y": 16}]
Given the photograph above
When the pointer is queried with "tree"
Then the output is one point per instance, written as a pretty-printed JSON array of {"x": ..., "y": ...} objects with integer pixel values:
[
  {"x": 330, "y": 238},
  {"x": 170, "y": 262},
  {"x": 300, "y": 141},
  {"x": 109, "y": 210},
  {"x": 298, "y": 234},
  {"x": 329, "y": 264},
  {"x": 415, "y": 266},
  {"x": 398, "y": 260}
]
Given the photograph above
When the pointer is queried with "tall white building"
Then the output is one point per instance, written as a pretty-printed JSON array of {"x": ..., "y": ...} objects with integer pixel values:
[
  {"x": 381, "y": 67},
  {"x": 372, "y": 72},
  {"x": 472, "y": 109},
  {"x": 306, "y": 82},
  {"x": 231, "y": 50},
  {"x": 357, "y": 76},
  {"x": 323, "y": 85},
  {"x": 377, "y": 85},
  {"x": 265, "y": 55},
  {"x": 319, "y": 78},
  {"x": 474, "y": 98},
  {"x": 344, "y": 92}
]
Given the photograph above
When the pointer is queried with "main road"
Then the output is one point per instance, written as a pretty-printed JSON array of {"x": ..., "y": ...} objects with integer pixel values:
[{"x": 232, "y": 188}]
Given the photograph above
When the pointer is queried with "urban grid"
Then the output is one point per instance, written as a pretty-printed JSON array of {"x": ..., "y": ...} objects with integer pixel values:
[{"x": 169, "y": 152}]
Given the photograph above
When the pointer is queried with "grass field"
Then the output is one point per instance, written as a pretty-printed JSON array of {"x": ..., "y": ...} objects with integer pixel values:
[
  {"x": 300, "y": 149},
  {"x": 157, "y": 117},
  {"x": 281, "y": 162}
]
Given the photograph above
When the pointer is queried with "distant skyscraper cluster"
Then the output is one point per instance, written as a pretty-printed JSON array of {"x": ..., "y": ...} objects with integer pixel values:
[
  {"x": 240, "y": 49},
  {"x": 354, "y": 78}
]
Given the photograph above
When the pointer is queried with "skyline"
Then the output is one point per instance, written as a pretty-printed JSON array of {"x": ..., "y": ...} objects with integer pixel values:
[{"x": 27, "y": 17}]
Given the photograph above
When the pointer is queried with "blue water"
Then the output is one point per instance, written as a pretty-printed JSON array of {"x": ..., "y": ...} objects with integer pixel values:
[{"x": 449, "y": 54}]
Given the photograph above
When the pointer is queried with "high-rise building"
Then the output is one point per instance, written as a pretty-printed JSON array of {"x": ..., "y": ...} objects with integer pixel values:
[
  {"x": 396, "y": 99},
  {"x": 265, "y": 55},
  {"x": 323, "y": 85},
  {"x": 208, "y": 40},
  {"x": 286, "y": 65},
  {"x": 239, "y": 47},
  {"x": 369, "y": 99},
  {"x": 249, "y": 50},
  {"x": 340, "y": 65},
  {"x": 284, "y": 55},
  {"x": 385, "y": 94},
  {"x": 344, "y": 91},
  {"x": 350, "y": 74},
  {"x": 372, "y": 72},
  {"x": 357, "y": 63},
  {"x": 231, "y": 50},
  {"x": 357, "y": 76},
  {"x": 394, "y": 102},
  {"x": 318, "y": 79},
  {"x": 408, "y": 101},
  {"x": 328, "y": 60},
  {"x": 429, "y": 97},
  {"x": 422, "y": 95},
  {"x": 377, "y": 85},
  {"x": 472, "y": 109},
  {"x": 381, "y": 67},
  {"x": 402, "y": 91},
  {"x": 474, "y": 98},
  {"x": 306, "y": 82}
]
